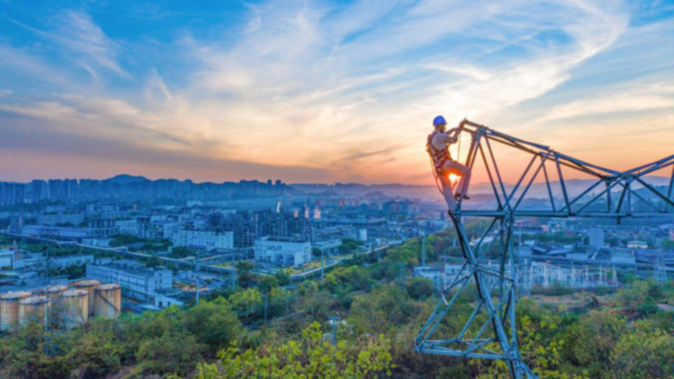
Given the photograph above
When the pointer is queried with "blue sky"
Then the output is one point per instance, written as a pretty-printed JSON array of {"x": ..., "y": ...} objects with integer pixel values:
[{"x": 323, "y": 91}]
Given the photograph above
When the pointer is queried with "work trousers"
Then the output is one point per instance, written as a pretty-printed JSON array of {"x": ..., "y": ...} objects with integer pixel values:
[{"x": 456, "y": 168}]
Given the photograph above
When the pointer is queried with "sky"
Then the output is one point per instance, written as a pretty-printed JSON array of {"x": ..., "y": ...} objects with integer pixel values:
[{"x": 324, "y": 91}]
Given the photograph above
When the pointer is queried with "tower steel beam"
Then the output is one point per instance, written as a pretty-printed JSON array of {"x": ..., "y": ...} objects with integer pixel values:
[{"x": 490, "y": 332}]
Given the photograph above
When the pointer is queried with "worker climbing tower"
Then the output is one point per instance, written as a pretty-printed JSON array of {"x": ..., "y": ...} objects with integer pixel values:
[{"x": 490, "y": 332}]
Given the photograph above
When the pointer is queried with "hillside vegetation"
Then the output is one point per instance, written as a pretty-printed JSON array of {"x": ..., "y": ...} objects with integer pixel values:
[{"x": 266, "y": 331}]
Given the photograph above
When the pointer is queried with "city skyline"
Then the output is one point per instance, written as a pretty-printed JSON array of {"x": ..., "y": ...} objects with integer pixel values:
[{"x": 324, "y": 92}]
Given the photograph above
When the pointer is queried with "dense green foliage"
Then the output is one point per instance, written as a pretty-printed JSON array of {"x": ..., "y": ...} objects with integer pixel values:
[
  {"x": 311, "y": 356},
  {"x": 349, "y": 246},
  {"x": 168, "y": 342},
  {"x": 180, "y": 252}
]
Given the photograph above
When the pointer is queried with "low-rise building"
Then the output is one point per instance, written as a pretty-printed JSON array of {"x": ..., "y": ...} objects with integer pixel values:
[
  {"x": 282, "y": 252},
  {"x": 127, "y": 226},
  {"x": 7, "y": 258},
  {"x": 161, "y": 301},
  {"x": 149, "y": 228},
  {"x": 70, "y": 260},
  {"x": 60, "y": 218},
  {"x": 102, "y": 227},
  {"x": 623, "y": 256},
  {"x": 54, "y": 232},
  {"x": 204, "y": 239},
  {"x": 329, "y": 247},
  {"x": 637, "y": 245},
  {"x": 136, "y": 280},
  {"x": 97, "y": 241}
]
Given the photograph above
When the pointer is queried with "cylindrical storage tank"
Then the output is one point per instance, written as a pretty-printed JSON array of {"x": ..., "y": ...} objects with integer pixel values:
[
  {"x": 32, "y": 309},
  {"x": 9, "y": 309},
  {"x": 75, "y": 305},
  {"x": 90, "y": 287},
  {"x": 108, "y": 301},
  {"x": 54, "y": 291}
]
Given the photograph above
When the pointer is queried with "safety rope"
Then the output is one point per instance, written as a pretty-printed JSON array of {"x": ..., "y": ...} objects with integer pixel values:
[
  {"x": 435, "y": 174},
  {"x": 458, "y": 153}
]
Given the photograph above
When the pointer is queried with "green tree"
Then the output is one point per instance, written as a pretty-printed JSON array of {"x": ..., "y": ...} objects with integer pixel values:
[
  {"x": 420, "y": 288},
  {"x": 172, "y": 353},
  {"x": 213, "y": 323},
  {"x": 645, "y": 352},
  {"x": 283, "y": 278},
  {"x": 381, "y": 310},
  {"x": 310, "y": 357},
  {"x": 267, "y": 283},
  {"x": 349, "y": 246},
  {"x": 245, "y": 302},
  {"x": 591, "y": 342},
  {"x": 97, "y": 352},
  {"x": 243, "y": 270},
  {"x": 123, "y": 240},
  {"x": 153, "y": 261},
  {"x": 180, "y": 252}
]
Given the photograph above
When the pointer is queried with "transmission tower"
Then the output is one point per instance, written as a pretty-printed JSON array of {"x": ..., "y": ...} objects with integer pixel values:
[
  {"x": 490, "y": 332},
  {"x": 660, "y": 271}
]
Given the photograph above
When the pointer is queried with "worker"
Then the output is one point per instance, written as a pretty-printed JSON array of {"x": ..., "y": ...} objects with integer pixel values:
[{"x": 437, "y": 146}]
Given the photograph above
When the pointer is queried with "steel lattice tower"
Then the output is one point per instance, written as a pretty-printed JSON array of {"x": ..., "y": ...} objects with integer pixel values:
[{"x": 490, "y": 332}]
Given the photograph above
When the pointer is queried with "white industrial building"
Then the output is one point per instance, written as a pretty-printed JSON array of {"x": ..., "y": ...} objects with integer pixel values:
[
  {"x": 151, "y": 228},
  {"x": 135, "y": 279},
  {"x": 281, "y": 252},
  {"x": 329, "y": 247},
  {"x": 204, "y": 239},
  {"x": 7, "y": 258}
]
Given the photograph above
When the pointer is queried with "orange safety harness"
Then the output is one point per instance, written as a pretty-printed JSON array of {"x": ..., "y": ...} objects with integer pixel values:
[{"x": 439, "y": 156}]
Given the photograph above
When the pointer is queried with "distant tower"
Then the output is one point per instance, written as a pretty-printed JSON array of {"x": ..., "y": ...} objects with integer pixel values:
[{"x": 660, "y": 271}]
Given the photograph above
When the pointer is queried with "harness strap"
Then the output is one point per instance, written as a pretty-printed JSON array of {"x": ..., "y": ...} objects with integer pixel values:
[{"x": 439, "y": 156}]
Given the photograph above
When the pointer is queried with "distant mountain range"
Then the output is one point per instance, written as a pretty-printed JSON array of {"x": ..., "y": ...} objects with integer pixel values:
[{"x": 126, "y": 179}]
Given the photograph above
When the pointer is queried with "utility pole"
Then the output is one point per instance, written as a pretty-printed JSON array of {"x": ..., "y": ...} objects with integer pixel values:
[
  {"x": 198, "y": 267},
  {"x": 322, "y": 265},
  {"x": 46, "y": 312},
  {"x": 423, "y": 248},
  {"x": 265, "y": 307},
  {"x": 334, "y": 320}
]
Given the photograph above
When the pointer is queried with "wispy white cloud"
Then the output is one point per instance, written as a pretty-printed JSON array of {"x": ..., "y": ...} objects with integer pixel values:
[
  {"x": 79, "y": 33},
  {"x": 350, "y": 89},
  {"x": 85, "y": 41}
]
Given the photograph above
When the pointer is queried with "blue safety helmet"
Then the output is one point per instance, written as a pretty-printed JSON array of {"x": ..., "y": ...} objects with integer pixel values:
[{"x": 439, "y": 120}]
